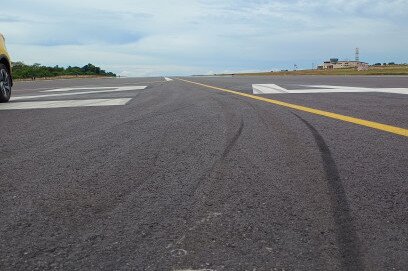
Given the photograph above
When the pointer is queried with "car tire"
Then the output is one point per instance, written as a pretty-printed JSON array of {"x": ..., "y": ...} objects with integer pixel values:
[{"x": 5, "y": 84}]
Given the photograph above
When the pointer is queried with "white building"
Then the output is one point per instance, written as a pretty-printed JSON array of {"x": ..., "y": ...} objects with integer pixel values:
[{"x": 334, "y": 63}]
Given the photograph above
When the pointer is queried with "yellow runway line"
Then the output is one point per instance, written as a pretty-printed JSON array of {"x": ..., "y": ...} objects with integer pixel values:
[{"x": 366, "y": 123}]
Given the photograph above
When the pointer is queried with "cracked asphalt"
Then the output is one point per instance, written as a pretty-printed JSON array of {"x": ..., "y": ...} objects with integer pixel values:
[{"x": 184, "y": 177}]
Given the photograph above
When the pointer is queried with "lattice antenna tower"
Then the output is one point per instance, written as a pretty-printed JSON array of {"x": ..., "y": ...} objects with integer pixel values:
[{"x": 357, "y": 54}]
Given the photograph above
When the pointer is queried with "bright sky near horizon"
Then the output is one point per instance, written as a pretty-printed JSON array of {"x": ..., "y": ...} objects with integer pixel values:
[{"x": 178, "y": 37}]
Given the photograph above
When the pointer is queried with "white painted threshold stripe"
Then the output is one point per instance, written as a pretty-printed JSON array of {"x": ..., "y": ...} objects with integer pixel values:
[
  {"x": 79, "y": 93},
  {"x": 362, "y": 89},
  {"x": 76, "y": 88},
  {"x": 267, "y": 88},
  {"x": 274, "y": 89},
  {"x": 168, "y": 79},
  {"x": 62, "y": 104},
  {"x": 346, "y": 90}
]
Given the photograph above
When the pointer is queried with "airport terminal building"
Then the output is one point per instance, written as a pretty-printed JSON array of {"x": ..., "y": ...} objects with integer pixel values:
[{"x": 334, "y": 63}]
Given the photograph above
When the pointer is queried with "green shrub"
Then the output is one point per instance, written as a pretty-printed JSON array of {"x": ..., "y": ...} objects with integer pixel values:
[{"x": 23, "y": 71}]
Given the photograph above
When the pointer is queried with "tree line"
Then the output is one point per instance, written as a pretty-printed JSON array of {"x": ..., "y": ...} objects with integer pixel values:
[{"x": 23, "y": 71}]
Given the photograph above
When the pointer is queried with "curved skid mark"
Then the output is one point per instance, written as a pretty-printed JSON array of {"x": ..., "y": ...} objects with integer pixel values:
[
  {"x": 233, "y": 140},
  {"x": 345, "y": 231}
]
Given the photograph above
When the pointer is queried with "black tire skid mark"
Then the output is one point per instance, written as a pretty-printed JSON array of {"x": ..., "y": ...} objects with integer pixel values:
[{"x": 346, "y": 235}]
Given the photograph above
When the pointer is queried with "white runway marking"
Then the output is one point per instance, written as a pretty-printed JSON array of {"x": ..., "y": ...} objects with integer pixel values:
[
  {"x": 267, "y": 89},
  {"x": 168, "y": 79},
  {"x": 362, "y": 89},
  {"x": 62, "y": 104},
  {"x": 275, "y": 89},
  {"x": 76, "y": 88},
  {"x": 111, "y": 89}
]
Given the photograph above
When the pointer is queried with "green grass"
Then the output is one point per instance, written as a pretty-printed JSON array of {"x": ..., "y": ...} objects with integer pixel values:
[{"x": 373, "y": 70}]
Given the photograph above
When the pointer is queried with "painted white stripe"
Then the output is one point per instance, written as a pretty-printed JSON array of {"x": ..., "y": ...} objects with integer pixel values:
[
  {"x": 62, "y": 104},
  {"x": 79, "y": 93},
  {"x": 76, "y": 88},
  {"x": 363, "y": 89},
  {"x": 268, "y": 89},
  {"x": 168, "y": 79},
  {"x": 274, "y": 89}
]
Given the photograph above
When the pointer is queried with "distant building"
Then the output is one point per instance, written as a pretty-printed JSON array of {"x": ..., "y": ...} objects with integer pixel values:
[{"x": 334, "y": 63}]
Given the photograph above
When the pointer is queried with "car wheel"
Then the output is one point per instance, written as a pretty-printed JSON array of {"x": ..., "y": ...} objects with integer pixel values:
[{"x": 5, "y": 84}]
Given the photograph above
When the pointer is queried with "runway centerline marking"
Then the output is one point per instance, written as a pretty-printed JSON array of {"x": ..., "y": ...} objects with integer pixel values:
[{"x": 366, "y": 123}]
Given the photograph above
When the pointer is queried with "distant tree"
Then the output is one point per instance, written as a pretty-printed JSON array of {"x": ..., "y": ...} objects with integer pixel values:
[
  {"x": 21, "y": 70},
  {"x": 18, "y": 63},
  {"x": 377, "y": 64}
]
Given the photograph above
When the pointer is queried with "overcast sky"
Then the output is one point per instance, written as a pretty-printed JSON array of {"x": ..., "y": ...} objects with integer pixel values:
[{"x": 180, "y": 37}]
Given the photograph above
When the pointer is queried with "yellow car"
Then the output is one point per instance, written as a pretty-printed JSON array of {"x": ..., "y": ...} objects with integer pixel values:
[{"x": 6, "y": 81}]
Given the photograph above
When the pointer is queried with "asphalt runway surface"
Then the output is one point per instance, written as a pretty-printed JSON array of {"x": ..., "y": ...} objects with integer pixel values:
[{"x": 104, "y": 174}]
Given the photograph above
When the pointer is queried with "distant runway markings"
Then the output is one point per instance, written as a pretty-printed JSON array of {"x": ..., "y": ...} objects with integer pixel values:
[
  {"x": 62, "y": 104},
  {"x": 95, "y": 91},
  {"x": 168, "y": 79},
  {"x": 275, "y": 89}
]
